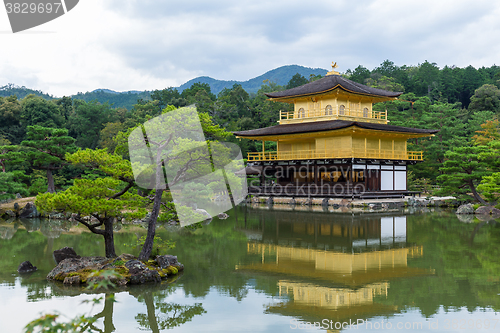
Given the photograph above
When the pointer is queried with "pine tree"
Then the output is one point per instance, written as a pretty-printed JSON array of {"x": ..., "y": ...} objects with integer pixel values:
[
  {"x": 463, "y": 170},
  {"x": 49, "y": 146}
]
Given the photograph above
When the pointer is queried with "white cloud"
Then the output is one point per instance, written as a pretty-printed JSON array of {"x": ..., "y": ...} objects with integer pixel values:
[{"x": 124, "y": 45}]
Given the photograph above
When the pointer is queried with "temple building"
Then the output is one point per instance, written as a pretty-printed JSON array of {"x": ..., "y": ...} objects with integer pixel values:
[{"x": 333, "y": 143}]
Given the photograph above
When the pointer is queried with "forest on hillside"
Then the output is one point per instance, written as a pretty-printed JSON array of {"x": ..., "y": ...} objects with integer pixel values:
[{"x": 463, "y": 103}]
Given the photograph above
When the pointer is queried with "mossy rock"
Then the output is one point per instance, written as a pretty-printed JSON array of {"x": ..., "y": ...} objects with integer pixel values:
[
  {"x": 171, "y": 270},
  {"x": 83, "y": 274},
  {"x": 122, "y": 270},
  {"x": 129, "y": 272},
  {"x": 119, "y": 262},
  {"x": 151, "y": 263}
]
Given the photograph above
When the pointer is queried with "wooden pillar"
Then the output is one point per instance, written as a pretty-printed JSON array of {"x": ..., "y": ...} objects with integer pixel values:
[
  {"x": 365, "y": 149},
  {"x": 365, "y": 173},
  {"x": 379, "y": 148},
  {"x": 337, "y": 103},
  {"x": 263, "y": 150},
  {"x": 315, "y": 173},
  {"x": 393, "y": 148}
]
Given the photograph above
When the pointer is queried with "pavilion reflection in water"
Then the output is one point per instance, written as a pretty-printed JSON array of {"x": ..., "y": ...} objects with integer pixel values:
[{"x": 331, "y": 266}]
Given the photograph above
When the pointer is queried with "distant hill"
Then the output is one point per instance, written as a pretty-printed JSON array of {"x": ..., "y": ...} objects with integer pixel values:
[
  {"x": 280, "y": 75},
  {"x": 21, "y": 92},
  {"x": 117, "y": 92},
  {"x": 117, "y": 99},
  {"x": 127, "y": 99}
]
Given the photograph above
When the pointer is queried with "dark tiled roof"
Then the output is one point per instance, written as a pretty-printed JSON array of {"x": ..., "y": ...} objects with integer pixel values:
[
  {"x": 320, "y": 126},
  {"x": 330, "y": 82}
]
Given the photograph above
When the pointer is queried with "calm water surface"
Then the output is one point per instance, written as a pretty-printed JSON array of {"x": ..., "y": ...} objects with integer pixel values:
[{"x": 267, "y": 270}]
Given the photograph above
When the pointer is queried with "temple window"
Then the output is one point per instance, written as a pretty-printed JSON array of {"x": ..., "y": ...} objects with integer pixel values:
[
  {"x": 301, "y": 113},
  {"x": 328, "y": 110},
  {"x": 342, "y": 110},
  {"x": 365, "y": 112}
]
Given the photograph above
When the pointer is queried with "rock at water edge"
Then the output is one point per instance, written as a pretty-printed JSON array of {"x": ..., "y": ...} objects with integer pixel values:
[
  {"x": 64, "y": 253},
  {"x": 26, "y": 267},
  {"x": 465, "y": 209}
]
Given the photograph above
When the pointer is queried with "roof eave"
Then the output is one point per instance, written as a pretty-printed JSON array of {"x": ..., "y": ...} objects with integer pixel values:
[
  {"x": 274, "y": 136},
  {"x": 287, "y": 99}
]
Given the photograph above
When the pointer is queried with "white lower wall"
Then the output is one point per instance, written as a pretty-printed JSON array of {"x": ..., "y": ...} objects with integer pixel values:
[
  {"x": 386, "y": 180},
  {"x": 400, "y": 180}
]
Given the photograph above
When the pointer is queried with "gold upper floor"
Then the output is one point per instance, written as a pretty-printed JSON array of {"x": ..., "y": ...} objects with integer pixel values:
[
  {"x": 350, "y": 142},
  {"x": 338, "y": 105}
]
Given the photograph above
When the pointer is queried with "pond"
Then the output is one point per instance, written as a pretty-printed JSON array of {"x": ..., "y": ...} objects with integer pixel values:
[{"x": 272, "y": 270}]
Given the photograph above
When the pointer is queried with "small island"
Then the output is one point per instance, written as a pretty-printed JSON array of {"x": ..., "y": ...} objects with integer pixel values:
[{"x": 123, "y": 270}]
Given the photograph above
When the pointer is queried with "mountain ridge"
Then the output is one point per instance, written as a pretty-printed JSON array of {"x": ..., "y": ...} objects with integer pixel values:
[
  {"x": 280, "y": 75},
  {"x": 127, "y": 99}
]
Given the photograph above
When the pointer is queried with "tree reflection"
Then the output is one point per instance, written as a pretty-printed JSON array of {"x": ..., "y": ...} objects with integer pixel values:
[
  {"x": 107, "y": 313},
  {"x": 161, "y": 315},
  {"x": 465, "y": 257}
]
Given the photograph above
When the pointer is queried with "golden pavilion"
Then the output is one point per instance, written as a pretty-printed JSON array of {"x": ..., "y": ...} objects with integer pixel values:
[{"x": 333, "y": 143}]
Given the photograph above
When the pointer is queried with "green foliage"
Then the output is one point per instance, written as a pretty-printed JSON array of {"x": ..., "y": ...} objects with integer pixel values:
[
  {"x": 10, "y": 120},
  {"x": 100, "y": 159},
  {"x": 384, "y": 82},
  {"x": 49, "y": 146},
  {"x": 189, "y": 94},
  {"x": 107, "y": 135},
  {"x": 10, "y": 185},
  {"x": 38, "y": 185},
  {"x": 476, "y": 122},
  {"x": 296, "y": 81},
  {"x": 48, "y": 324},
  {"x": 168, "y": 96},
  {"x": 41, "y": 112},
  {"x": 159, "y": 245},
  {"x": 462, "y": 171},
  {"x": 87, "y": 197},
  {"x": 486, "y": 98},
  {"x": 490, "y": 187},
  {"x": 448, "y": 118},
  {"x": 87, "y": 122},
  {"x": 420, "y": 184},
  {"x": 359, "y": 74},
  {"x": 10, "y": 155}
]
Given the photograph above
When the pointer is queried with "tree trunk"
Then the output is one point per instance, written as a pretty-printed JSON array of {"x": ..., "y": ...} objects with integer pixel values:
[
  {"x": 50, "y": 181},
  {"x": 147, "y": 248},
  {"x": 107, "y": 313},
  {"x": 150, "y": 306},
  {"x": 109, "y": 242},
  {"x": 476, "y": 195}
]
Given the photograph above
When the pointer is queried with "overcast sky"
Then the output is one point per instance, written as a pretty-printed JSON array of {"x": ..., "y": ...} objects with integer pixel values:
[{"x": 153, "y": 44}]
